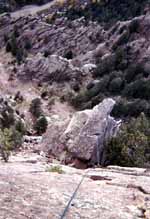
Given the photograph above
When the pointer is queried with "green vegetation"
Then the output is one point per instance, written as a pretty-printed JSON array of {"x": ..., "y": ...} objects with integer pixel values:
[
  {"x": 40, "y": 125},
  {"x": 116, "y": 76},
  {"x": 12, "y": 130},
  {"x": 7, "y": 143},
  {"x": 12, "y": 46},
  {"x": 106, "y": 12},
  {"x": 55, "y": 169},
  {"x": 131, "y": 147},
  {"x": 36, "y": 107},
  {"x": 11, "y": 139},
  {"x": 18, "y": 51},
  {"x": 40, "y": 121}
]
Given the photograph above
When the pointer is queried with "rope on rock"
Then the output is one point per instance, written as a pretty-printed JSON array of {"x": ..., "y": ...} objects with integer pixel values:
[{"x": 73, "y": 196}]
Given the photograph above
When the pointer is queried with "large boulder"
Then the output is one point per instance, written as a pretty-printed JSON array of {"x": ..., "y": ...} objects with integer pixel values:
[{"x": 84, "y": 136}]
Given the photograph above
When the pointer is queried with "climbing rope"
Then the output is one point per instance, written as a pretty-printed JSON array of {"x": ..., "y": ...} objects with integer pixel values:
[{"x": 73, "y": 196}]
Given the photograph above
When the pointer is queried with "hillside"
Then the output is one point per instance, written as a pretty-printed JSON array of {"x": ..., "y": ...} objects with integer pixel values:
[{"x": 75, "y": 103}]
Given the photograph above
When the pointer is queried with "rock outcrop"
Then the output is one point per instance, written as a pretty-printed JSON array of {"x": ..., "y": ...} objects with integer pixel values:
[
  {"x": 48, "y": 69},
  {"x": 31, "y": 189},
  {"x": 84, "y": 136}
]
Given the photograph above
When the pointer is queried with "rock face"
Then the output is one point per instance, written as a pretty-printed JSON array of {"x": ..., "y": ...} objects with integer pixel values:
[
  {"x": 50, "y": 69},
  {"x": 76, "y": 36},
  {"x": 31, "y": 190},
  {"x": 85, "y": 134}
]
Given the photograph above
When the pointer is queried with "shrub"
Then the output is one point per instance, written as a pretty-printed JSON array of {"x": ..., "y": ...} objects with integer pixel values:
[
  {"x": 116, "y": 74},
  {"x": 5, "y": 144},
  {"x": 131, "y": 72},
  {"x": 40, "y": 125},
  {"x": 8, "y": 47},
  {"x": 46, "y": 53},
  {"x": 130, "y": 146},
  {"x": 19, "y": 55},
  {"x": 28, "y": 44},
  {"x": 7, "y": 116},
  {"x": 14, "y": 46},
  {"x": 85, "y": 96},
  {"x": 116, "y": 85},
  {"x": 108, "y": 12},
  {"x": 120, "y": 109},
  {"x": 20, "y": 127},
  {"x": 76, "y": 86},
  {"x": 138, "y": 89},
  {"x": 10, "y": 139},
  {"x": 35, "y": 107},
  {"x": 121, "y": 58},
  {"x": 68, "y": 55},
  {"x": 57, "y": 169},
  {"x": 105, "y": 66},
  {"x": 134, "y": 108},
  {"x": 16, "y": 31}
]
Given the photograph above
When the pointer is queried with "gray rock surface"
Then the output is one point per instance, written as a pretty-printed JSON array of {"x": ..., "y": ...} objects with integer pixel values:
[
  {"x": 30, "y": 190},
  {"x": 85, "y": 134},
  {"x": 50, "y": 69}
]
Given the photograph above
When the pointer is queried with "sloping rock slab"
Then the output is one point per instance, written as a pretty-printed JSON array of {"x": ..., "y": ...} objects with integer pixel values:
[{"x": 29, "y": 191}]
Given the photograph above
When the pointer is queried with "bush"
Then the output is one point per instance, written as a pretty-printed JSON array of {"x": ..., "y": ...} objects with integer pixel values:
[
  {"x": 16, "y": 31},
  {"x": 7, "y": 116},
  {"x": 8, "y": 47},
  {"x": 20, "y": 127},
  {"x": 108, "y": 12},
  {"x": 116, "y": 85},
  {"x": 46, "y": 53},
  {"x": 10, "y": 139},
  {"x": 105, "y": 66},
  {"x": 19, "y": 55},
  {"x": 68, "y": 55},
  {"x": 138, "y": 89},
  {"x": 40, "y": 125},
  {"x": 134, "y": 108},
  {"x": 55, "y": 169},
  {"x": 14, "y": 46},
  {"x": 131, "y": 72},
  {"x": 85, "y": 96},
  {"x": 131, "y": 146},
  {"x": 28, "y": 44},
  {"x": 35, "y": 107}
]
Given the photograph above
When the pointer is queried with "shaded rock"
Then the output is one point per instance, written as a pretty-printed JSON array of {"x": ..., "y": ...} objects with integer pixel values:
[
  {"x": 51, "y": 140},
  {"x": 33, "y": 139}
]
